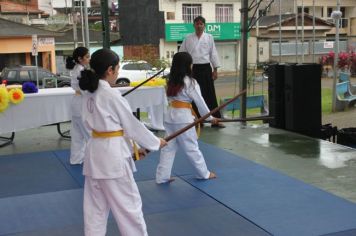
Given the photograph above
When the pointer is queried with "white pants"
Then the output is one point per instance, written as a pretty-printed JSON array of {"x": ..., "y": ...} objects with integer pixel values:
[
  {"x": 122, "y": 197},
  {"x": 188, "y": 141},
  {"x": 79, "y": 134}
]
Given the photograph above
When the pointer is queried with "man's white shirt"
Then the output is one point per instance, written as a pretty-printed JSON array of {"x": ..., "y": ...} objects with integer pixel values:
[{"x": 201, "y": 49}]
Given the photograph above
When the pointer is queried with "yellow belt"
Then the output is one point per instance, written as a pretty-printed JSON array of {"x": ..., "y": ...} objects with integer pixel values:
[
  {"x": 180, "y": 104},
  {"x": 97, "y": 134},
  {"x": 77, "y": 92}
]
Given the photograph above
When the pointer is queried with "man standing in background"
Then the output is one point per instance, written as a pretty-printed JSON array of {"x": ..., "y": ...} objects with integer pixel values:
[{"x": 201, "y": 47}]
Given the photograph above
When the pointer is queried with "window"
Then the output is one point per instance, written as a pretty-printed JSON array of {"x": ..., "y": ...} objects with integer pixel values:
[
  {"x": 145, "y": 66},
  {"x": 24, "y": 75},
  {"x": 137, "y": 66},
  {"x": 330, "y": 10},
  {"x": 343, "y": 12},
  {"x": 191, "y": 11},
  {"x": 262, "y": 12},
  {"x": 171, "y": 15},
  {"x": 78, "y": 2},
  {"x": 306, "y": 10},
  {"x": 32, "y": 74},
  {"x": 130, "y": 67},
  {"x": 11, "y": 75},
  {"x": 224, "y": 13},
  {"x": 44, "y": 74}
]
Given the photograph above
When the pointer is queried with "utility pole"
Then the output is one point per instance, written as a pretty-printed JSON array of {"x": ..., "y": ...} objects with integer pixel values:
[
  {"x": 105, "y": 23},
  {"x": 280, "y": 31},
  {"x": 336, "y": 15},
  {"x": 82, "y": 21},
  {"x": 313, "y": 31},
  {"x": 86, "y": 23},
  {"x": 302, "y": 31},
  {"x": 74, "y": 17},
  {"x": 257, "y": 36},
  {"x": 296, "y": 30},
  {"x": 243, "y": 55}
]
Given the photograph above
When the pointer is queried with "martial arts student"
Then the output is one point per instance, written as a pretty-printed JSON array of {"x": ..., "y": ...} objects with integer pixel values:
[
  {"x": 79, "y": 134},
  {"x": 182, "y": 90},
  {"x": 108, "y": 166},
  {"x": 201, "y": 46}
]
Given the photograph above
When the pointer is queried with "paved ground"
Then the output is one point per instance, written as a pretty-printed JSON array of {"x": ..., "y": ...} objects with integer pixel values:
[{"x": 342, "y": 119}]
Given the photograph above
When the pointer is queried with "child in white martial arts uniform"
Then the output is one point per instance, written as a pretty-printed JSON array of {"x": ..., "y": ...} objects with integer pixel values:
[
  {"x": 79, "y": 134},
  {"x": 182, "y": 90},
  {"x": 108, "y": 165}
]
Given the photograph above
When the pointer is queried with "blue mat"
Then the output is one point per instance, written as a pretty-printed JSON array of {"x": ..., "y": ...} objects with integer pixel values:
[
  {"x": 245, "y": 199},
  {"x": 277, "y": 203},
  {"x": 208, "y": 221},
  {"x": 170, "y": 197},
  {"x": 32, "y": 173},
  {"x": 343, "y": 233},
  {"x": 146, "y": 167},
  {"x": 76, "y": 171},
  {"x": 213, "y": 220},
  {"x": 41, "y": 211},
  {"x": 165, "y": 206},
  {"x": 215, "y": 161}
]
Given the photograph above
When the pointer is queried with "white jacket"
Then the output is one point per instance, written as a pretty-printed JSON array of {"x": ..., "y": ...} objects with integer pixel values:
[
  {"x": 74, "y": 74},
  {"x": 190, "y": 92},
  {"x": 106, "y": 110}
]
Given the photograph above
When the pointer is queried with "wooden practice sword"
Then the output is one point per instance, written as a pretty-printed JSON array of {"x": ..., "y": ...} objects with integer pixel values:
[{"x": 140, "y": 84}]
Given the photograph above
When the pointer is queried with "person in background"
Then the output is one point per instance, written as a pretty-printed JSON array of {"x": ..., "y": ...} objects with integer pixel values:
[
  {"x": 182, "y": 90},
  {"x": 108, "y": 165},
  {"x": 79, "y": 134},
  {"x": 201, "y": 47}
]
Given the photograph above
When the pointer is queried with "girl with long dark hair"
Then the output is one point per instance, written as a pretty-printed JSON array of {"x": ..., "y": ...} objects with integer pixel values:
[
  {"x": 79, "y": 134},
  {"x": 182, "y": 90},
  {"x": 108, "y": 165}
]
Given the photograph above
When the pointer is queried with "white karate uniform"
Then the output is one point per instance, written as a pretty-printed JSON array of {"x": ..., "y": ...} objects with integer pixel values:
[
  {"x": 108, "y": 164},
  {"x": 79, "y": 134},
  {"x": 204, "y": 54},
  {"x": 201, "y": 49},
  {"x": 175, "y": 119}
]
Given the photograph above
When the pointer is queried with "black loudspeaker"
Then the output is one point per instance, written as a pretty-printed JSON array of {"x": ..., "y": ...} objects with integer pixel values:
[
  {"x": 302, "y": 91},
  {"x": 276, "y": 95}
]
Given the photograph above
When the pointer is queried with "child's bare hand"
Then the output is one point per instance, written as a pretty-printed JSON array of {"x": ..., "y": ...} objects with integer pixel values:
[
  {"x": 142, "y": 152},
  {"x": 215, "y": 121},
  {"x": 163, "y": 143}
]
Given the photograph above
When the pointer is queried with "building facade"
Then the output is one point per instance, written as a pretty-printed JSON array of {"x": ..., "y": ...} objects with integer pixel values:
[
  {"x": 311, "y": 45},
  {"x": 222, "y": 21},
  {"x": 16, "y": 46}
]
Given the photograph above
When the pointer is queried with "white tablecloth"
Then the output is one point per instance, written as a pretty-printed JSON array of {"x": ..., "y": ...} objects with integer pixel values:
[
  {"x": 50, "y": 106},
  {"x": 150, "y": 99}
]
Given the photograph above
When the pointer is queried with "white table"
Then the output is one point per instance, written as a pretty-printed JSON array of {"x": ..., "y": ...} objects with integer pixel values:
[
  {"x": 50, "y": 106},
  {"x": 150, "y": 99}
]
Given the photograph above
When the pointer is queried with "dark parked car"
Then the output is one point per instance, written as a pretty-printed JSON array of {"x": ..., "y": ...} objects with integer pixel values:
[{"x": 22, "y": 74}]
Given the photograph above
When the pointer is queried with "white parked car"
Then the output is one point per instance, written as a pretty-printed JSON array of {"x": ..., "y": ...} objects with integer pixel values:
[{"x": 137, "y": 70}]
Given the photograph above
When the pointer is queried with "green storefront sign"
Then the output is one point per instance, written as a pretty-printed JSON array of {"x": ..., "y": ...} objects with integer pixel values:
[{"x": 220, "y": 31}]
